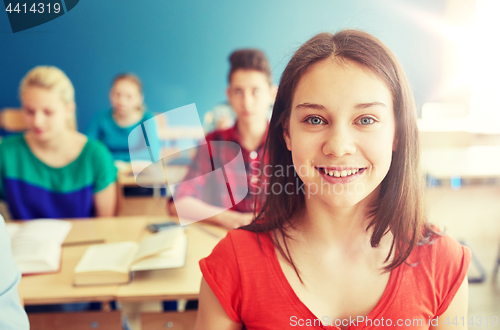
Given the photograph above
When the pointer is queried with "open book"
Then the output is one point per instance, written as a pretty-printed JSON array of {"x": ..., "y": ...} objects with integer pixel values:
[
  {"x": 36, "y": 244},
  {"x": 113, "y": 263}
]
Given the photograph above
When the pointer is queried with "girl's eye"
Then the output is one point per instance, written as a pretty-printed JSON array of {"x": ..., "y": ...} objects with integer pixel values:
[
  {"x": 315, "y": 120},
  {"x": 366, "y": 121}
]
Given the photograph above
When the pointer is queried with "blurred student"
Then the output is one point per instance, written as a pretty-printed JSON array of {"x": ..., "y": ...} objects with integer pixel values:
[
  {"x": 52, "y": 171},
  {"x": 347, "y": 246},
  {"x": 251, "y": 94},
  {"x": 114, "y": 127},
  {"x": 12, "y": 314}
]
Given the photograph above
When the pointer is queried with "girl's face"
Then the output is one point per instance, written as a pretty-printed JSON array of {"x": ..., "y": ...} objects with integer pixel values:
[
  {"x": 46, "y": 114},
  {"x": 341, "y": 132},
  {"x": 125, "y": 97}
]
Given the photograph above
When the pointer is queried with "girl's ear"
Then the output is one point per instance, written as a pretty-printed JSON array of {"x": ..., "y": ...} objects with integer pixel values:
[
  {"x": 395, "y": 144},
  {"x": 286, "y": 136},
  {"x": 274, "y": 91}
]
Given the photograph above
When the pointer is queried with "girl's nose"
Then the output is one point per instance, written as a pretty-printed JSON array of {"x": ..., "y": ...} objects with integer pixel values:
[
  {"x": 38, "y": 118},
  {"x": 339, "y": 142}
]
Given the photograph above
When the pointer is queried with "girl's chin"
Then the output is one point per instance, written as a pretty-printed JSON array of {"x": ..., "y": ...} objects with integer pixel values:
[
  {"x": 336, "y": 202},
  {"x": 338, "y": 199}
]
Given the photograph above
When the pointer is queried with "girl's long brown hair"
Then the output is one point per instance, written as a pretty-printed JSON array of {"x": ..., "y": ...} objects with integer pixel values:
[{"x": 399, "y": 208}]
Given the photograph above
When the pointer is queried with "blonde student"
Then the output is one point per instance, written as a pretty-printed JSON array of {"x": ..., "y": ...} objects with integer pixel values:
[
  {"x": 342, "y": 241},
  {"x": 52, "y": 171},
  {"x": 114, "y": 127}
]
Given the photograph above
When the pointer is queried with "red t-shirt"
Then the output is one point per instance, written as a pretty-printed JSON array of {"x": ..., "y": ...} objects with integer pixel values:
[{"x": 252, "y": 289}]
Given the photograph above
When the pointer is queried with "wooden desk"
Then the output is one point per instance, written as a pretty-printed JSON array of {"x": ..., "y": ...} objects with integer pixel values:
[
  {"x": 147, "y": 286},
  {"x": 58, "y": 287}
]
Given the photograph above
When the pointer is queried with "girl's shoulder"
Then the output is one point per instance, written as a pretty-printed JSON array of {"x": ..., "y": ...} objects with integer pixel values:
[
  {"x": 439, "y": 245},
  {"x": 435, "y": 248},
  {"x": 241, "y": 249},
  {"x": 441, "y": 258},
  {"x": 243, "y": 241},
  {"x": 13, "y": 145},
  {"x": 95, "y": 148},
  {"x": 147, "y": 115},
  {"x": 12, "y": 141},
  {"x": 435, "y": 270}
]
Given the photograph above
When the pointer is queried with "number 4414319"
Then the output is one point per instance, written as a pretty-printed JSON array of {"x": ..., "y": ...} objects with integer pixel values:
[
  {"x": 478, "y": 321},
  {"x": 39, "y": 8}
]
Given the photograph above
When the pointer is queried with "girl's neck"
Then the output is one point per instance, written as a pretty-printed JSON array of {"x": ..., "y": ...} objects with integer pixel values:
[
  {"x": 336, "y": 226},
  {"x": 56, "y": 143}
]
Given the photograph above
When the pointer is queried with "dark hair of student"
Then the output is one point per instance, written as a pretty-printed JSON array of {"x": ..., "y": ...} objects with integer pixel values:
[
  {"x": 249, "y": 59},
  {"x": 399, "y": 208}
]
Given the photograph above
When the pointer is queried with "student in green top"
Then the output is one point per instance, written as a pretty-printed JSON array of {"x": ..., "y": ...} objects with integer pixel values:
[{"x": 52, "y": 171}]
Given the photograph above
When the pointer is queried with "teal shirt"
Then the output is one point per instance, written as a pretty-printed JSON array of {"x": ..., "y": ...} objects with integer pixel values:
[
  {"x": 121, "y": 141},
  {"x": 32, "y": 189}
]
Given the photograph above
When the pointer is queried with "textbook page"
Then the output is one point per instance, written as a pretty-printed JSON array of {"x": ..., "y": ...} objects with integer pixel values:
[
  {"x": 44, "y": 229},
  {"x": 109, "y": 257},
  {"x": 174, "y": 257},
  {"x": 158, "y": 242},
  {"x": 36, "y": 256},
  {"x": 36, "y": 244}
]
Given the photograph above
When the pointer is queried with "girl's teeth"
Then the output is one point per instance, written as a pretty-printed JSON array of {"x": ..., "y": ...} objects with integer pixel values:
[{"x": 342, "y": 173}]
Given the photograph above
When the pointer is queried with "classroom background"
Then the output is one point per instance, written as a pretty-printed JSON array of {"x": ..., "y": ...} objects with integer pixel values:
[{"x": 179, "y": 49}]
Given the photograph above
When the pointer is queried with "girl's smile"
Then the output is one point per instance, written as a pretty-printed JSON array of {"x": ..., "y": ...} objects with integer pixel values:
[{"x": 337, "y": 175}]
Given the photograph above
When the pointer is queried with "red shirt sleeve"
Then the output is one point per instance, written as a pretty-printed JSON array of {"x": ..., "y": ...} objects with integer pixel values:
[
  {"x": 221, "y": 272},
  {"x": 451, "y": 266}
]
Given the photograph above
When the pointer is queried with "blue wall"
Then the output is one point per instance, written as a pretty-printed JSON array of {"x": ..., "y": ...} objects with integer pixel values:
[{"x": 179, "y": 48}]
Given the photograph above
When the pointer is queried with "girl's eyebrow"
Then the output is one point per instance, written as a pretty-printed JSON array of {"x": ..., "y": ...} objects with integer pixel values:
[
  {"x": 310, "y": 106},
  {"x": 368, "y": 105},
  {"x": 313, "y": 106}
]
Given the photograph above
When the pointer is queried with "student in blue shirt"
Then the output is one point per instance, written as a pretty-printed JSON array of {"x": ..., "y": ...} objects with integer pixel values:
[
  {"x": 12, "y": 314},
  {"x": 114, "y": 127}
]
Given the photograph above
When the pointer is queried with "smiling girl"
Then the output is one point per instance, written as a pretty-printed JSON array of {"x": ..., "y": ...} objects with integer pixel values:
[
  {"x": 52, "y": 171},
  {"x": 349, "y": 247}
]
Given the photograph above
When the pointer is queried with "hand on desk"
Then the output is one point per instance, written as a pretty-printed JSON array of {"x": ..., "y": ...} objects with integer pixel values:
[{"x": 225, "y": 218}]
